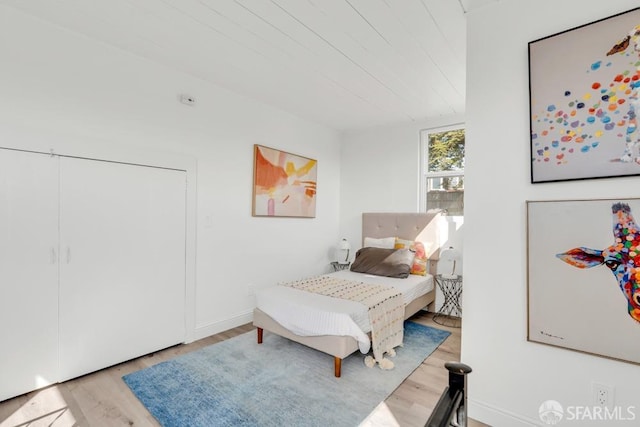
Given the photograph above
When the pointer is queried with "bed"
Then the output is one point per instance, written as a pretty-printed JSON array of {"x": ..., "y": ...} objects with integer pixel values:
[{"x": 340, "y": 327}]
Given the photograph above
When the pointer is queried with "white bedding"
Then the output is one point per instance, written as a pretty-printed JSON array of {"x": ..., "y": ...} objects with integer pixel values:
[{"x": 308, "y": 314}]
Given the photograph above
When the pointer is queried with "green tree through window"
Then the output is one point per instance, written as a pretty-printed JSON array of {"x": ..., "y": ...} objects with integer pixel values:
[
  {"x": 443, "y": 169},
  {"x": 446, "y": 151}
]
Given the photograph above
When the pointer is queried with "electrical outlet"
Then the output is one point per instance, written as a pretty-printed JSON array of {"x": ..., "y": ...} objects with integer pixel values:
[{"x": 602, "y": 395}]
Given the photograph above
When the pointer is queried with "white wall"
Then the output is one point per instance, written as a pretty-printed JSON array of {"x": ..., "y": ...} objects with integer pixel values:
[
  {"x": 512, "y": 377},
  {"x": 381, "y": 173},
  {"x": 63, "y": 91}
]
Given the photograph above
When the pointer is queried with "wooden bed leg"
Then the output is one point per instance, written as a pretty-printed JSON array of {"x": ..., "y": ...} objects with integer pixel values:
[
  {"x": 260, "y": 331},
  {"x": 337, "y": 362}
]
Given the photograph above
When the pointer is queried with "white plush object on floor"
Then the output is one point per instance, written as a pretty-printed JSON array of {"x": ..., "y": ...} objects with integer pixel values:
[
  {"x": 384, "y": 364},
  {"x": 369, "y": 362}
]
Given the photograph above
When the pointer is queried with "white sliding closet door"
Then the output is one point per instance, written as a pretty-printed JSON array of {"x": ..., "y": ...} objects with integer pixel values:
[
  {"x": 122, "y": 265},
  {"x": 28, "y": 272}
]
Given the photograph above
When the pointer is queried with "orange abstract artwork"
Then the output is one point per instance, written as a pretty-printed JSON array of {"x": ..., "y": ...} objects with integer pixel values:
[{"x": 284, "y": 184}]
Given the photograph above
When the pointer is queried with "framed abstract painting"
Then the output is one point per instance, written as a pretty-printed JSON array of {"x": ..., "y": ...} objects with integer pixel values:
[
  {"x": 583, "y": 96},
  {"x": 284, "y": 184},
  {"x": 583, "y": 268}
]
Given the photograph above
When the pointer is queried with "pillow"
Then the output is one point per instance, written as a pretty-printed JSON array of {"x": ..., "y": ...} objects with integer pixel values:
[
  {"x": 383, "y": 262},
  {"x": 385, "y": 242},
  {"x": 419, "y": 266}
]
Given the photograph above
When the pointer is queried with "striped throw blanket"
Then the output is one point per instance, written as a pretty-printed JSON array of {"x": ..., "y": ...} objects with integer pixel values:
[{"x": 386, "y": 309}]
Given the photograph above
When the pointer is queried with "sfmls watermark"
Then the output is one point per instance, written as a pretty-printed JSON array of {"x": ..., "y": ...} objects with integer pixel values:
[{"x": 552, "y": 413}]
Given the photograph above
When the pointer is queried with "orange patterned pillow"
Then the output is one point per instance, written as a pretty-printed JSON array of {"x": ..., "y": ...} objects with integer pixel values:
[{"x": 419, "y": 266}]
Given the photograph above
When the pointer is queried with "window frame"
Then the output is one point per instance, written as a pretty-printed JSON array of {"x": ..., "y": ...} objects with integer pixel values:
[{"x": 425, "y": 174}]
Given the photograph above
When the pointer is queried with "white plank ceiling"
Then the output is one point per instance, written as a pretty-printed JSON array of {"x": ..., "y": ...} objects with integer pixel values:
[{"x": 347, "y": 64}]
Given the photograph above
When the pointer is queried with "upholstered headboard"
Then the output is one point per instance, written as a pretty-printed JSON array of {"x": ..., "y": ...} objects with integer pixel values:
[{"x": 421, "y": 226}]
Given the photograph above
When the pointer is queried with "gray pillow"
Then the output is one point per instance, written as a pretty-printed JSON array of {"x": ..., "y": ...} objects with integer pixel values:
[{"x": 384, "y": 262}]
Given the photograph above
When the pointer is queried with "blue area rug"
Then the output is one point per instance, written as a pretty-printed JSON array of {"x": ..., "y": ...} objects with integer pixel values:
[{"x": 238, "y": 382}]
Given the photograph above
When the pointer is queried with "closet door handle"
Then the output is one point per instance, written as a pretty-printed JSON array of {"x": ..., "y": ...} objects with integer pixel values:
[
  {"x": 68, "y": 254},
  {"x": 53, "y": 256}
]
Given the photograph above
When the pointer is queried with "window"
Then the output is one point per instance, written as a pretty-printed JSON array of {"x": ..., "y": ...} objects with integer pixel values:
[{"x": 442, "y": 166}]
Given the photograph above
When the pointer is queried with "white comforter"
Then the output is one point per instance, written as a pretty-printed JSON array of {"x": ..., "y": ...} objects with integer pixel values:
[{"x": 308, "y": 314}]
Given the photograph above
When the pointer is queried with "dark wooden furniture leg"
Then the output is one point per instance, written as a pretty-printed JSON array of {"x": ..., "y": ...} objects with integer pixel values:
[
  {"x": 260, "y": 331},
  {"x": 337, "y": 362}
]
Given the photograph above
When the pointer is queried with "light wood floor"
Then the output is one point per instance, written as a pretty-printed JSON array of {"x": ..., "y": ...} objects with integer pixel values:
[{"x": 103, "y": 399}]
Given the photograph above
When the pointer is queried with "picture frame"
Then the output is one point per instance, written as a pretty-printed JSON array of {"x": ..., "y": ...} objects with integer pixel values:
[
  {"x": 579, "y": 294},
  {"x": 284, "y": 184},
  {"x": 583, "y": 96}
]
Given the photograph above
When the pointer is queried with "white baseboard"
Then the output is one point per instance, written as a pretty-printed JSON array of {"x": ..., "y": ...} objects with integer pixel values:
[
  {"x": 203, "y": 331},
  {"x": 497, "y": 417}
]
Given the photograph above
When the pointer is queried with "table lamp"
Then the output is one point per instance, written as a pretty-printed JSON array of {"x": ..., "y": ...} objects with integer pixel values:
[
  {"x": 450, "y": 256},
  {"x": 343, "y": 251}
]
